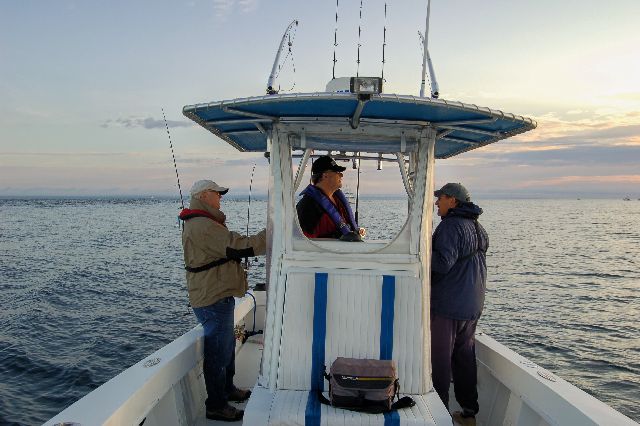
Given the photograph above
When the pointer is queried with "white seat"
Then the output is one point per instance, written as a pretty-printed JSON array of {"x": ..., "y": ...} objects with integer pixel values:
[
  {"x": 354, "y": 324},
  {"x": 293, "y": 408}
]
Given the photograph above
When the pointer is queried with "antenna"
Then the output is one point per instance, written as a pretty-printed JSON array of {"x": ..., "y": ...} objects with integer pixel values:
[
  {"x": 174, "y": 158},
  {"x": 273, "y": 75}
]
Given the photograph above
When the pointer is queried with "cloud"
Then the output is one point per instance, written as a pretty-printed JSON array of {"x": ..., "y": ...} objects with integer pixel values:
[
  {"x": 569, "y": 180},
  {"x": 247, "y": 6},
  {"x": 200, "y": 161},
  {"x": 146, "y": 123},
  {"x": 572, "y": 154},
  {"x": 612, "y": 132},
  {"x": 197, "y": 160},
  {"x": 258, "y": 160},
  {"x": 627, "y": 96},
  {"x": 224, "y": 8},
  {"x": 65, "y": 154},
  {"x": 33, "y": 113},
  {"x": 559, "y": 144}
]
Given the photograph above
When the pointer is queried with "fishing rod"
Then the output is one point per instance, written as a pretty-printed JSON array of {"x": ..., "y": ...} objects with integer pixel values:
[
  {"x": 358, "y": 192},
  {"x": 435, "y": 91},
  {"x": 426, "y": 60},
  {"x": 175, "y": 166},
  {"x": 271, "y": 90},
  {"x": 253, "y": 169}
]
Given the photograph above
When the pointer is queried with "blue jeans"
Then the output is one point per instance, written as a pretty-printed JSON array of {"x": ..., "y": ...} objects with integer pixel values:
[
  {"x": 453, "y": 352},
  {"x": 219, "y": 350}
]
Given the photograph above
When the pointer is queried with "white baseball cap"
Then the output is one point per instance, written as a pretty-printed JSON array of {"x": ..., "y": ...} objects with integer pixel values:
[{"x": 207, "y": 185}]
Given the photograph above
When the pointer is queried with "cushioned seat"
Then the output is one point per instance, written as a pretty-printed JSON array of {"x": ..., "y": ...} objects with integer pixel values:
[
  {"x": 354, "y": 314},
  {"x": 293, "y": 408}
]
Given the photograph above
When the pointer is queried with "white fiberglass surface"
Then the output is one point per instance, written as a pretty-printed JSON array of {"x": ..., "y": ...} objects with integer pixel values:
[
  {"x": 354, "y": 301},
  {"x": 289, "y": 409}
]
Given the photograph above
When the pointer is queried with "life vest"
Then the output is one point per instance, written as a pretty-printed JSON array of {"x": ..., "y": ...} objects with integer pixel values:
[
  {"x": 187, "y": 214},
  {"x": 319, "y": 197}
]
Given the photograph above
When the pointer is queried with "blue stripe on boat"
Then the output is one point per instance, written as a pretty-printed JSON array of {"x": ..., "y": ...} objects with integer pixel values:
[
  {"x": 392, "y": 419},
  {"x": 386, "y": 317},
  {"x": 312, "y": 411},
  {"x": 386, "y": 333}
]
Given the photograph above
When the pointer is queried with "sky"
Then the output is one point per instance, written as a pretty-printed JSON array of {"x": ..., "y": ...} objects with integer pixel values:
[{"x": 84, "y": 84}]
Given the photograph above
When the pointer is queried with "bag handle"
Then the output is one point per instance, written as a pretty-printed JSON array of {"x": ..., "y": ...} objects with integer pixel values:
[
  {"x": 323, "y": 399},
  {"x": 404, "y": 402}
]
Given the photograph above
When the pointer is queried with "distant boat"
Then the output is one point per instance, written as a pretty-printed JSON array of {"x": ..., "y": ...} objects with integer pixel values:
[{"x": 626, "y": 199}]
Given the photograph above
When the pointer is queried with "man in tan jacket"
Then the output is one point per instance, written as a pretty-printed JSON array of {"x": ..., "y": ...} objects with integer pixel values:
[{"x": 212, "y": 255}]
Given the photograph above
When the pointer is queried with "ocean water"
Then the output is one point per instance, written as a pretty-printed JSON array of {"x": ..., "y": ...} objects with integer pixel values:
[{"x": 91, "y": 286}]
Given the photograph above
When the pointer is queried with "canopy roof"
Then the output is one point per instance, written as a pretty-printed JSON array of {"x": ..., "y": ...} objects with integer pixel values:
[{"x": 385, "y": 123}]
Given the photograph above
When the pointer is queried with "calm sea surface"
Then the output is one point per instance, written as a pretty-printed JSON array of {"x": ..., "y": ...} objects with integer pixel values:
[{"x": 89, "y": 287}]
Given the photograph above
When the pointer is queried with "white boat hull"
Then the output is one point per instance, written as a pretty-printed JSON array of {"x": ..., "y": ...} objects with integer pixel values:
[{"x": 512, "y": 389}]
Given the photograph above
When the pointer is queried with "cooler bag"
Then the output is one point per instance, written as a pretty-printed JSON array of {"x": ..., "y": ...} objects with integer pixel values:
[{"x": 367, "y": 385}]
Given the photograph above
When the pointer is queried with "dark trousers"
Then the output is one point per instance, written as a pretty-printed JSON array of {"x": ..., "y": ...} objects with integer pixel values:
[
  {"x": 219, "y": 350},
  {"x": 453, "y": 352}
]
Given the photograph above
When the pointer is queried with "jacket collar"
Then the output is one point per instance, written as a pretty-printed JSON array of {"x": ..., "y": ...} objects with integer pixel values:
[
  {"x": 468, "y": 210},
  {"x": 196, "y": 204}
]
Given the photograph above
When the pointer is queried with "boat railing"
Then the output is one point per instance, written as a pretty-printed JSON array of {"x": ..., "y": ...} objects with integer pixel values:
[
  {"x": 514, "y": 390},
  {"x": 129, "y": 397}
]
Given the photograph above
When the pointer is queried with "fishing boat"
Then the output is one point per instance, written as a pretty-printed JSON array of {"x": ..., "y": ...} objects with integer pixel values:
[{"x": 328, "y": 298}]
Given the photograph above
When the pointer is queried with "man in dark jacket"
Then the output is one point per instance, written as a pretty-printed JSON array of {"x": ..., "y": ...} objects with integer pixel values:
[{"x": 458, "y": 283}]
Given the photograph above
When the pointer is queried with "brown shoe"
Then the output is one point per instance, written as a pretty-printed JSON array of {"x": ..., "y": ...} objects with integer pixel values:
[
  {"x": 225, "y": 414},
  {"x": 239, "y": 395},
  {"x": 458, "y": 419}
]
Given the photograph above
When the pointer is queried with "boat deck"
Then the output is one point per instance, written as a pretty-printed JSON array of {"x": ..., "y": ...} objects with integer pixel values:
[
  {"x": 167, "y": 388},
  {"x": 498, "y": 403},
  {"x": 249, "y": 358},
  {"x": 288, "y": 407}
]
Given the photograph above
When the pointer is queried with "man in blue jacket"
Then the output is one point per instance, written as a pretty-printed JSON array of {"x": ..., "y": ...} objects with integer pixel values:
[{"x": 458, "y": 282}]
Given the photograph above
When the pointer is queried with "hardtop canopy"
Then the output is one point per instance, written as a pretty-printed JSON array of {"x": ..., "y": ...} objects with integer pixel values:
[{"x": 384, "y": 123}]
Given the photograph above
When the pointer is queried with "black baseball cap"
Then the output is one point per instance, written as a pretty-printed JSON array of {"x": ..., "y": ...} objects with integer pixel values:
[{"x": 324, "y": 163}]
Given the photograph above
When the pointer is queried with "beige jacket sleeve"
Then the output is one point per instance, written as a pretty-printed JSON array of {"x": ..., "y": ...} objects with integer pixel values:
[
  {"x": 217, "y": 238},
  {"x": 258, "y": 242}
]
